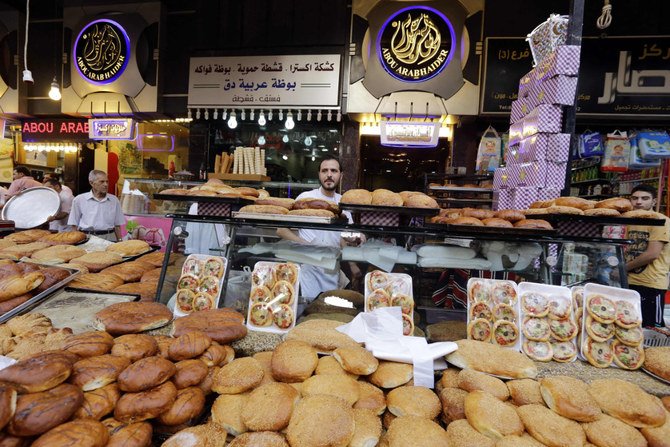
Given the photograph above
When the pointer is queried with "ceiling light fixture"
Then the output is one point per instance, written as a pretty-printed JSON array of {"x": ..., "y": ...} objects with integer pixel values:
[
  {"x": 232, "y": 121},
  {"x": 54, "y": 92},
  {"x": 290, "y": 124},
  {"x": 261, "y": 119},
  {"x": 330, "y": 115},
  {"x": 270, "y": 115},
  {"x": 224, "y": 116},
  {"x": 281, "y": 115},
  {"x": 318, "y": 115},
  {"x": 207, "y": 114},
  {"x": 189, "y": 115},
  {"x": 216, "y": 114},
  {"x": 197, "y": 114},
  {"x": 299, "y": 115},
  {"x": 243, "y": 116},
  {"x": 251, "y": 115},
  {"x": 309, "y": 115}
]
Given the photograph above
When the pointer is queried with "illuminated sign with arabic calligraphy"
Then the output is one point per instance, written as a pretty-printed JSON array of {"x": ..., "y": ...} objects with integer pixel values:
[
  {"x": 416, "y": 43},
  {"x": 101, "y": 51},
  {"x": 111, "y": 129}
]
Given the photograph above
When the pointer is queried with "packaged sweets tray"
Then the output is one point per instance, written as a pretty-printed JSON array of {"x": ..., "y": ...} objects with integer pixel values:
[
  {"x": 391, "y": 289},
  {"x": 493, "y": 312},
  {"x": 273, "y": 300},
  {"x": 200, "y": 283}
]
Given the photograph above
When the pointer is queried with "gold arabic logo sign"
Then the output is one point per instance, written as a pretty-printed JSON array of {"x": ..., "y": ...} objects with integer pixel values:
[
  {"x": 101, "y": 51},
  {"x": 415, "y": 44}
]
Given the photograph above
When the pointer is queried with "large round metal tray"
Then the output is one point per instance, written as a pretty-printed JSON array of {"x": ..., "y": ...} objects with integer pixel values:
[{"x": 31, "y": 207}]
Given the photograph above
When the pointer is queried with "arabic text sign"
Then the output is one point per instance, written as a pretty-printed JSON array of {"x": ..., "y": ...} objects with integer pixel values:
[
  {"x": 507, "y": 60},
  {"x": 406, "y": 134},
  {"x": 264, "y": 81},
  {"x": 111, "y": 129}
]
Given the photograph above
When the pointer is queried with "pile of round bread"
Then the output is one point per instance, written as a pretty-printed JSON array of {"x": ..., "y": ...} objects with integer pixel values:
[
  {"x": 216, "y": 188},
  {"x": 614, "y": 207},
  {"x": 481, "y": 217},
  {"x": 384, "y": 197},
  {"x": 114, "y": 387},
  {"x": 302, "y": 207}
]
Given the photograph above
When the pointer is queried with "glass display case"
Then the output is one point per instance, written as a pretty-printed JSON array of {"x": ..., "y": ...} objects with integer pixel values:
[{"x": 425, "y": 253}]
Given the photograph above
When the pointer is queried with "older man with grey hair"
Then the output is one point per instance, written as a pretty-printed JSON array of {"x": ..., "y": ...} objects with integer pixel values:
[{"x": 97, "y": 212}]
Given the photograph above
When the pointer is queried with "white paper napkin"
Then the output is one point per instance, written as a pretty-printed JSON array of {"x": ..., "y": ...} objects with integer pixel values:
[{"x": 381, "y": 331}]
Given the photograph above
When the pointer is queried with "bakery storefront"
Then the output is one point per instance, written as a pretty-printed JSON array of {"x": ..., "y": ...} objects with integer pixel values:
[{"x": 217, "y": 341}]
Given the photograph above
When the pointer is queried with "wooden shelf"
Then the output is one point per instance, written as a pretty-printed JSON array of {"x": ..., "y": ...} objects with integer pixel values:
[{"x": 246, "y": 177}]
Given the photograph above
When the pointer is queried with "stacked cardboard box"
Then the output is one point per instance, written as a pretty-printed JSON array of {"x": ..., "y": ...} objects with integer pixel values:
[{"x": 537, "y": 158}]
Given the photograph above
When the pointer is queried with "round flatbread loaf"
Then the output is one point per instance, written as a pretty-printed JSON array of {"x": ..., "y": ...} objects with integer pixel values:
[
  {"x": 414, "y": 430},
  {"x": 321, "y": 420},
  {"x": 414, "y": 401},
  {"x": 357, "y": 197},
  {"x": 490, "y": 416},
  {"x": 550, "y": 428},
  {"x": 628, "y": 402},
  {"x": 131, "y": 318},
  {"x": 609, "y": 431}
]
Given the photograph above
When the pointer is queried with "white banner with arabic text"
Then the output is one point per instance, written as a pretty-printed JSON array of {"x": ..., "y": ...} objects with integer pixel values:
[{"x": 264, "y": 81}]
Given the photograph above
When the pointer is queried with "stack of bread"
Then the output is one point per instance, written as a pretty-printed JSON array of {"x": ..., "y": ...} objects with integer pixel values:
[
  {"x": 384, "y": 197},
  {"x": 489, "y": 218},
  {"x": 115, "y": 386},
  {"x": 614, "y": 207},
  {"x": 216, "y": 188},
  {"x": 302, "y": 207}
]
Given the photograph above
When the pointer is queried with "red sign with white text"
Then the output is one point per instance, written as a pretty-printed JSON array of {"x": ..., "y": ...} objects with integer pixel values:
[{"x": 54, "y": 130}]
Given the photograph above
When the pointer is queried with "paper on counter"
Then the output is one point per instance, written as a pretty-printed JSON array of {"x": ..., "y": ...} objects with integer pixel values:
[
  {"x": 450, "y": 263},
  {"x": 381, "y": 331},
  {"x": 6, "y": 361}
]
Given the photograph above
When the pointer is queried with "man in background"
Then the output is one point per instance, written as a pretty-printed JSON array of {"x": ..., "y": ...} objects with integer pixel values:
[
  {"x": 97, "y": 212},
  {"x": 647, "y": 260},
  {"x": 58, "y": 222},
  {"x": 22, "y": 181},
  {"x": 64, "y": 187},
  {"x": 313, "y": 279}
]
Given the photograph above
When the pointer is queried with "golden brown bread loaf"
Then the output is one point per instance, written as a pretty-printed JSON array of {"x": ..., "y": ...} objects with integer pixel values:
[
  {"x": 8, "y": 397},
  {"x": 607, "y": 430},
  {"x": 275, "y": 201},
  {"x": 131, "y": 435},
  {"x": 356, "y": 360},
  {"x": 555, "y": 209},
  {"x": 238, "y": 376},
  {"x": 461, "y": 434},
  {"x": 338, "y": 385},
  {"x": 207, "y": 435},
  {"x": 8, "y": 305},
  {"x": 621, "y": 204},
  {"x": 368, "y": 428},
  {"x": 151, "y": 275},
  {"x": 574, "y": 202},
  {"x": 534, "y": 224},
  {"x": 104, "y": 282},
  {"x": 316, "y": 204},
  {"x": 89, "y": 344},
  {"x": 95, "y": 372},
  {"x": 78, "y": 433},
  {"x": 137, "y": 407},
  {"x": 628, "y": 402},
  {"x": 52, "y": 276},
  {"x": 657, "y": 360},
  {"x": 321, "y": 420},
  {"x": 601, "y": 212},
  {"x": 496, "y": 222},
  {"x": 464, "y": 220},
  {"x": 127, "y": 271},
  {"x": 413, "y": 401},
  {"x": 15, "y": 286},
  {"x": 222, "y": 325},
  {"x": 477, "y": 213},
  {"x": 293, "y": 361},
  {"x": 453, "y": 404},
  {"x": 157, "y": 258},
  {"x": 542, "y": 204},
  {"x": 131, "y": 247},
  {"x": 391, "y": 374},
  {"x": 490, "y": 416},
  {"x": 269, "y": 407},
  {"x": 188, "y": 404},
  {"x": 189, "y": 373},
  {"x": 227, "y": 412},
  {"x": 384, "y": 197},
  {"x": 64, "y": 237},
  {"x": 312, "y": 212},
  {"x": 259, "y": 438},
  {"x": 570, "y": 398},
  {"x": 98, "y": 403},
  {"x": 510, "y": 215},
  {"x": 38, "y": 373},
  {"x": 37, "y": 413},
  {"x": 264, "y": 209},
  {"x": 27, "y": 236},
  {"x": 217, "y": 355},
  {"x": 135, "y": 346},
  {"x": 370, "y": 398},
  {"x": 189, "y": 345},
  {"x": 525, "y": 392},
  {"x": 321, "y": 334},
  {"x": 492, "y": 359},
  {"x": 420, "y": 201},
  {"x": 133, "y": 317},
  {"x": 357, "y": 197},
  {"x": 96, "y": 261},
  {"x": 643, "y": 214},
  {"x": 58, "y": 253},
  {"x": 471, "y": 380},
  {"x": 413, "y": 430},
  {"x": 146, "y": 373},
  {"x": 7, "y": 440},
  {"x": 550, "y": 428}
]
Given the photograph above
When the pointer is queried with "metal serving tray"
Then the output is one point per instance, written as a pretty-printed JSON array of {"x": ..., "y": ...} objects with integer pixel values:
[
  {"x": 31, "y": 207},
  {"x": 40, "y": 297}
]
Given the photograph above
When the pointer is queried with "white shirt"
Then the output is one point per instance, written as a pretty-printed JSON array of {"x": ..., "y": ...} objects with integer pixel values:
[
  {"x": 66, "y": 199},
  {"x": 314, "y": 280},
  {"x": 89, "y": 213}
]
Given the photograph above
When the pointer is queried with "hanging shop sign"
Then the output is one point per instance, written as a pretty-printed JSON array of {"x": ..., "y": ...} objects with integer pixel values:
[
  {"x": 54, "y": 129},
  {"x": 417, "y": 47},
  {"x": 102, "y": 51},
  {"x": 111, "y": 129},
  {"x": 265, "y": 81},
  {"x": 416, "y": 43},
  {"x": 409, "y": 134},
  {"x": 618, "y": 76}
]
